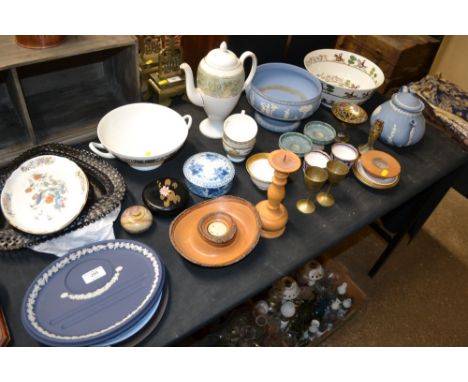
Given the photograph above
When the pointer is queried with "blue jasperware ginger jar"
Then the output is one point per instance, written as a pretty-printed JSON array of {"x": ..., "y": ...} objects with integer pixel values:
[{"x": 404, "y": 123}]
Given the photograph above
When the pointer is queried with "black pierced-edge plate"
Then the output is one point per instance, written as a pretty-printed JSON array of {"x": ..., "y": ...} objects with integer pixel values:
[{"x": 106, "y": 191}]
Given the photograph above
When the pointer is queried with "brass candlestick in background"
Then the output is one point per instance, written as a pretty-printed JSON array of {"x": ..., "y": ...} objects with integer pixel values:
[
  {"x": 337, "y": 171},
  {"x": 314, "y": 178},
  {"x": 273, "y": 214},
  {"x": 374, "y": 134}
]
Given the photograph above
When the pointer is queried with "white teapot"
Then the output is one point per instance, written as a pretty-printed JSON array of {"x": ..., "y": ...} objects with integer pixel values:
[{"x": 220, "y": 82}]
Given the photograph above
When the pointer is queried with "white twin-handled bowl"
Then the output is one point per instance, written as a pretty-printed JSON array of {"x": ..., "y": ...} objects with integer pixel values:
[{"x": 142, "y": 134}]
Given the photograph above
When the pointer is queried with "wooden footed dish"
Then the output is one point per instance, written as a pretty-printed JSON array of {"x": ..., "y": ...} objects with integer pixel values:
[{"x": 216, "y": 233}]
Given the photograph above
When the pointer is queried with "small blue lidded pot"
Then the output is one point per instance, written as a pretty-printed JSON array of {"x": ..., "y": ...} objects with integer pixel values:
[{"x": 208, "y": 174}]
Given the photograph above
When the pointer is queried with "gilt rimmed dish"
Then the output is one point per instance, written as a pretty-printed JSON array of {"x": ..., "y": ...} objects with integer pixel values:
[{"x": 378, "y": 183}]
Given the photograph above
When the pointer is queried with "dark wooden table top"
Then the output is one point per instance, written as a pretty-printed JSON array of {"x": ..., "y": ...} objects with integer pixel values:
[{"x": 198, "y": 295}]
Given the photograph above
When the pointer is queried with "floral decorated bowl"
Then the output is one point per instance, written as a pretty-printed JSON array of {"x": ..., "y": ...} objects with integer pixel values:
[
  {"x": 208, "y": 174},
  {"x": 283, "y": 92},
  {"x": 345, "y": 76},
  {"x": 142, "y": 134}
]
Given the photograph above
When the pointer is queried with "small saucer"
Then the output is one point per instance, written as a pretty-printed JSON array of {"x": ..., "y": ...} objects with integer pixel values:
[
  {"x": 165, "y": 196},
  {"x": 298, "y": 143},
  {"x": 349, "y": 112},
  {"x": 373, "y": 182},
  {"x": 319, "y": 132},
  {"x": 380, "y": 164}
]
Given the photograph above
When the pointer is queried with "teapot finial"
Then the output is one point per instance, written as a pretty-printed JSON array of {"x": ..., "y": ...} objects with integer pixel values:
[{"x": 223, "y": 46}]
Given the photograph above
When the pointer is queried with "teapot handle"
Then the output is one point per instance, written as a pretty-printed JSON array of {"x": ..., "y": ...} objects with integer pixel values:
[{"x": 253, "y": 69}]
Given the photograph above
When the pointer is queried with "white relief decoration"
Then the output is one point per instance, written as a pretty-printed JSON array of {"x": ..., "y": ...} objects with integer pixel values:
[
  {"x": 377, "y": 110},
  {"x": 286, "y": 113},
  {"x": 268, "y": 108},
  {"x": 400, "y": 111},
  {"x": 392, "y": 134},
  {"x": 305, "y": 109},
  {"x": 411, "y": 134},
  {"x": 31, "y": 300},
  {"x": 97, "y": 292},
  {"x": 252, "y": 98}
]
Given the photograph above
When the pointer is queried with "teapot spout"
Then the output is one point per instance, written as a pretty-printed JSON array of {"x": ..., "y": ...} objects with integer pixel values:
[{"x": 193, "y": 93}]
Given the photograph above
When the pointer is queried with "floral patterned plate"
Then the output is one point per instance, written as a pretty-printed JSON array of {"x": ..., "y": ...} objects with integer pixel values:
[{"x": 44, "y": 194}]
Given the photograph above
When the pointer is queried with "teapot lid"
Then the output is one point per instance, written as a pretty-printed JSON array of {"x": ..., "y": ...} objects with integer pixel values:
[
  {"x": 407, "y": 100},
  {"x": 222, "y": 58}
]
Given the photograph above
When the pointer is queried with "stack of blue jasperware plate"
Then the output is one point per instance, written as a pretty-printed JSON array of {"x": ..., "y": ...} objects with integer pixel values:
[{"x": 102, "y": 294}]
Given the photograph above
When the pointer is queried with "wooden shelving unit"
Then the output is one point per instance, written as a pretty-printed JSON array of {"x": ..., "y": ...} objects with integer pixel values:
[{"x": 59, "y": 94}]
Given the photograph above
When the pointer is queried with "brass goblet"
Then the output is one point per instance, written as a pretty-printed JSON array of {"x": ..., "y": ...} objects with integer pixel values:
[
  {"x": 337, "y": 171},
  {"x": 314, "y": 178}
]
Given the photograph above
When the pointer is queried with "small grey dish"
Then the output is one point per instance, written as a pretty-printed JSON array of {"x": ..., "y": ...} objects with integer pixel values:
[{"x": 298, "y": 143}]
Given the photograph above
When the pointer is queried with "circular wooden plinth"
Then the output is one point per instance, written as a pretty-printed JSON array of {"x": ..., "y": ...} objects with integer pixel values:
[{"x": 273, "y": 221}]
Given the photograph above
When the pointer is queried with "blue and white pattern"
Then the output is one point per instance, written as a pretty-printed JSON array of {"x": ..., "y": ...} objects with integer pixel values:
[{"x": 208, "y": 174}]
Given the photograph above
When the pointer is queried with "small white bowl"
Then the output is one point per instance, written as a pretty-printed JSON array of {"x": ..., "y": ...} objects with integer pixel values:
[
  {"x": 317, "y": 158},
  {"x": 345, "y": 152},
  {"x": 239, "y": 135},
  {"x": 260, "y": 171},
  {"x": 141, "y": 134}
]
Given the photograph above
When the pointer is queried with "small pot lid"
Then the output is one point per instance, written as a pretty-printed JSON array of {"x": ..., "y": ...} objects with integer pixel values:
[
  {"x": 320, "y": 133},
  {"x": 298, "y": 143},
  {"x": 93, "y": 293},
  {"x": 380, "y": 164},
  {"x": 407, "y": 100},
  {"x": 165, "y": 196},
  {"x": 208, "y": 170},
  {"x": 222, "y": 58}
]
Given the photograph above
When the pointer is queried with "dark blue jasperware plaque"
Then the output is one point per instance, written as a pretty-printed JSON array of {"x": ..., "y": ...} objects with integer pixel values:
[{"x": 93, "y": 293}]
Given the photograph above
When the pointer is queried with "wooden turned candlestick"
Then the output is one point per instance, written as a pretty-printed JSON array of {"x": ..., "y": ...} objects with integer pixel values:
[{"x": 273, "y": 214}]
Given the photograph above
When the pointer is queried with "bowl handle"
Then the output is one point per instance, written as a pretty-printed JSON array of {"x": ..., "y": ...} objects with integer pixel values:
[
  {"x": 188, "y": 120},
  {"x": 94, "y": 148}
]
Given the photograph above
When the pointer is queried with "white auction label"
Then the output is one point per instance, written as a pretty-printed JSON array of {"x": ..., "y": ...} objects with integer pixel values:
[
  {"x": 93, "y": 275},
  {"x": 174, "y": 79}
]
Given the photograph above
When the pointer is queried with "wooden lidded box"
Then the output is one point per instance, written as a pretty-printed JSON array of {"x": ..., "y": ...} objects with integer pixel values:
[{"x": 402, "y": 58}]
